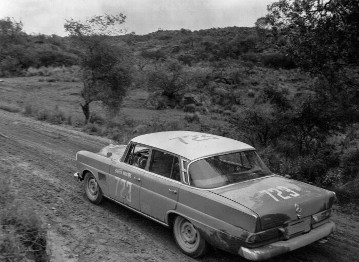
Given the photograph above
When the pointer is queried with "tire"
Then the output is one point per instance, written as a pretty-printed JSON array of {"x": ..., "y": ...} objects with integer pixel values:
[
  {"x": 188, "y": 238},
  {"x": 92, "y": 189}
]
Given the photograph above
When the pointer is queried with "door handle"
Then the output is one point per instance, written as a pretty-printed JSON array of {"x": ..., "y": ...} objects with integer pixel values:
[
  {"x": 137, "y": 178},
  {"x": 174, "y": 191}
]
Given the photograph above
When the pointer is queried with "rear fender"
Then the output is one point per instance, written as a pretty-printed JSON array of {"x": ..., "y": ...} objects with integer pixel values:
[{"x": 215, "y": 237}]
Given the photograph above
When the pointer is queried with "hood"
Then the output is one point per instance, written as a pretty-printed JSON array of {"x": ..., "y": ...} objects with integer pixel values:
[
  {"x": 277, "y": 199},
  {"x": 115, "y": 150}
]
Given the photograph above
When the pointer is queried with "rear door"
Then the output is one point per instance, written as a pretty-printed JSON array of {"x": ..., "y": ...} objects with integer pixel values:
[{"x": 161, "y": 180}]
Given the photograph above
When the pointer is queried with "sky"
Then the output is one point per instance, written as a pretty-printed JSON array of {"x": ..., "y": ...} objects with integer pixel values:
[{"x": 143, "y": 16}]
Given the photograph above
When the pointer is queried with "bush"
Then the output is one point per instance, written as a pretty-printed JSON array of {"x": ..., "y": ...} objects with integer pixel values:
[
  {"x": 22, "y": 234},
  {"x": 97, "y": 119},
  {"x": 190, "y": 117},
  {"x": 251, "y": 93},
  {"x": 28, "y": 110},
  {"x": 316, "y": 168},
  {"x": 351, "y": 165},
  {"x": 55, "y": 117},
  {"x": 250, "y": 57},
  {"x": 191, "y": 108},
  {"x": 349, "y": 192},
  {"x": 56, "y": 74},
  {"x": 22, "y": 228},
  {"x": 93, "y": 129},
  {"x": 278, "y": 60}
]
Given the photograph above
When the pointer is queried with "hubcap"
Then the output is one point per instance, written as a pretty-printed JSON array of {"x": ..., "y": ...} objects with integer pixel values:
[
  {"x": 188, "y": 234},
  {"x": 93, "y": 187}
]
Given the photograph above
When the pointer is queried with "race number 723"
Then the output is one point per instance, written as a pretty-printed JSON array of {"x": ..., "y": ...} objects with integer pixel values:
[
  {"x": 280, "y": 193},
  {"x": 123, "y": 189}
]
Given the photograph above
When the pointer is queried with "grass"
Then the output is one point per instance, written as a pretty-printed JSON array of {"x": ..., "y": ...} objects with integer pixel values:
[
  {"x": 56, "y": 74},
  {"x": 22, "y": 234},
  {"x": 54, "y": 116}
]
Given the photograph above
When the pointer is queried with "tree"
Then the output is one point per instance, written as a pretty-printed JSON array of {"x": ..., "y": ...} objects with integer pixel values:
[
  {"x": 170, "y": 81},
  {"x": 10, "y": 32},
  {"x": 319, "y": 34},
  {"x": 262, "y": 28},
  {"x": 12, "y": 49},
  {"x": 106, "y": 65},
  {"x": 322, "y": 37}
]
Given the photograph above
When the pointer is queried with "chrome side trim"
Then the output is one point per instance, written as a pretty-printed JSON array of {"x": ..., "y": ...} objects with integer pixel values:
[
  {"x": 210, "y": 189},
  {"x": 138, "y": 212}
]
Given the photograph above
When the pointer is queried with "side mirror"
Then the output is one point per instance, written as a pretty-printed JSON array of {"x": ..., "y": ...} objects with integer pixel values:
[{"x": 109, "y": 154}]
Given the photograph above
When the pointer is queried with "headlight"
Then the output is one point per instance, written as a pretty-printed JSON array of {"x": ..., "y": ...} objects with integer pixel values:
[{"x": 321, "y": 216}]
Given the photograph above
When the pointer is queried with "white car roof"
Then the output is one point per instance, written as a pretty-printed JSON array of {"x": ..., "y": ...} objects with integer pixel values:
[{"x": 191, "y": 145}]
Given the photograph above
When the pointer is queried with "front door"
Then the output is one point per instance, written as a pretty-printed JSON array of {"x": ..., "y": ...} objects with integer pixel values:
[
  {"x": 125, "y": 184},
  {"x": 126, "y": 177}
]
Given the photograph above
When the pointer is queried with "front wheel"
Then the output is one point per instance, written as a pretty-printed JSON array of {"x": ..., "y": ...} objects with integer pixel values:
[
  {"x": 92, "y": 189},
  {"x": 188, "y": 238}
]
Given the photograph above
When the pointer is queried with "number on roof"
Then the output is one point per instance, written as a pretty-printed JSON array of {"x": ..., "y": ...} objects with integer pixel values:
[{"x": 198, "y": 138}]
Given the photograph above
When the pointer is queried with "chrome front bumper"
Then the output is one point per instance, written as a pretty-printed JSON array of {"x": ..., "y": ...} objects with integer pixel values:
[
  {"x": 280, "y": 247},
  {"x": 77, "y": 176}
]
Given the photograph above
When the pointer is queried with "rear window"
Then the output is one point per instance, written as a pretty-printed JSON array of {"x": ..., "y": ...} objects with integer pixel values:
[{"x": 221, "y": 170}]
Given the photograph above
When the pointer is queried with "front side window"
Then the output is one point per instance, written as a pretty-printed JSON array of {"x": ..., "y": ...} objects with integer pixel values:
[
  {"x": 137, "y": 156},
  {"x": 221, "y": 170},
  {"x": 165, "y": 164}
]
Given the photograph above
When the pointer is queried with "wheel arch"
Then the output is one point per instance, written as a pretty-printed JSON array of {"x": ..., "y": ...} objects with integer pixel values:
[
  {"x": 84, "y": 172},
  {"x": 171, "y": 215}
]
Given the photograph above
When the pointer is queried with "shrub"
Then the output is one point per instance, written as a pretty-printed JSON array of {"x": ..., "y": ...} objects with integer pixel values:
[
  {"x": 191, "y": 108},
  {"x": 349, "y": 192},
  {"x": 234, "y": 108},
  {"x": 22, "y": 234},
  {"x": 69, "y": 120},
  {"x": 42, "y": 115},
  {"x": 251, "y": 93},
  {"x": 237, "y": 96},
  {"x": 278, "y": 60},
  {"x": 190, "y": 117},
  {"x": 311, "y": 168},
  {"x": 250, "y": 57},
  {"x": 351, "y": 165},
  {"x": 93, "y": 129},
  {"x": 57, "y": 117},
  {"x": 97, "y": 119},
  {"x": 28, "y": 110},
  {"x": 54, "y": 74}
]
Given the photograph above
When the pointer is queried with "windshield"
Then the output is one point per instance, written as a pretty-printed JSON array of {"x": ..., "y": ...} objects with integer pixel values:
[{"x": 227, "y": 169}]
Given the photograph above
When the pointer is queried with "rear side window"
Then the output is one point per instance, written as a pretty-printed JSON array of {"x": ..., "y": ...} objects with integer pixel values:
[{"x": 165, "y": 164}]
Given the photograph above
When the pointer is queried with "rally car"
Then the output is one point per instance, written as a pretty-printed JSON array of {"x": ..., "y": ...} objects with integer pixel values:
[{"x": 211, "y": 190}]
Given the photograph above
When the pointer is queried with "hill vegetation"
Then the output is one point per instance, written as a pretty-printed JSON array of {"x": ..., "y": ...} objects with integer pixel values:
[{"x": 294, "y": 100}]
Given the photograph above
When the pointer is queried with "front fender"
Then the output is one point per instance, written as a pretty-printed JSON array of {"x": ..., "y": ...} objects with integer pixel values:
[{"x": 97, "y": 164}]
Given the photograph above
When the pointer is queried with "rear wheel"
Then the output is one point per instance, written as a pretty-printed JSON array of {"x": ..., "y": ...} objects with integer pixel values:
[
  {"x": 92, "y": 189},
  {"x": 188, "y": 238}
]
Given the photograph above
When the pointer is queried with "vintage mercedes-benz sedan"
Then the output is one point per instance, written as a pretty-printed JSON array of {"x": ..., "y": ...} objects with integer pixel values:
[{"x": 212, "y": 190}]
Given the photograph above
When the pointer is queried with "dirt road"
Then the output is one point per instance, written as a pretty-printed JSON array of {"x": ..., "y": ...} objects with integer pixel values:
[{"x": 40, "y": 159}]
